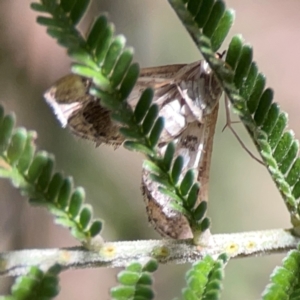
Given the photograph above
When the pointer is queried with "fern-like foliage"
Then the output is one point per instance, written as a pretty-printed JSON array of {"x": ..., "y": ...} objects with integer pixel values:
[
  {"x": 285, "y": 283},
  {"x": 204, "y": 279},
  {"x": 36, "y": 285},
  {"x": 135, "y": 281},
  {"x": 32, "y": 173},
  {"x": 104, "y": 59},
  {"x": 244, "y": 85}
]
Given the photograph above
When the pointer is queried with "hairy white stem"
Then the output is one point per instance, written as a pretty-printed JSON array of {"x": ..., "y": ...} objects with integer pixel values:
[{"x": 119, "y": 254}]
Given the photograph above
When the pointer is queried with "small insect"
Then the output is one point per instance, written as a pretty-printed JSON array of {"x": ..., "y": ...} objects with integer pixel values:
[{"x": 187, "y": 96}]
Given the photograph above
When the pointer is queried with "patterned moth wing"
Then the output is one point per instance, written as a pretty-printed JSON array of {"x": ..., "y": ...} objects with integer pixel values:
[
  {"x": 195, "y": 146},
  {"x": 81, "y": 112},
  {"x": 200, "y": 91},
  {"x": 76, "y": 109}
]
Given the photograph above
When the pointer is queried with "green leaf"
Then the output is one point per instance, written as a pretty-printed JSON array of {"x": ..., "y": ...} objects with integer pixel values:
[
  {"x": 193, "y": 6},
  {"x": 177, "y": 169},
  {"x": 296, "y": 190},
  {"x": 171, "y": 194},
  {"x": 187, "y": 182},
  {"x": 277, "y": 131},
  {"x": 28, "y": 153},
  {"x": 234, "y": 51},
  {"x": 109, "y": 101},
  {"x": 96, "y": 30},
  {"x": 121, "y": 67},
  {"x": 294, "y": 173},
  {"x": 129, "y": 81},
  {"x": 179, "y": 208},
  {"x": 200, "y": 211},
  {"x": 151, "y": 266},
  {"x": 135, "y": 146},
  {"x": 65, "y": 222},
  {"x": 128, "y": 278},
  {"x": 83, "y": 57},
  {"x": 193, "y": 195},
  {"x": 97, "y": 77},
  {"x": 205, "y": 224},
  {"x": 290, "y": 157},
  {"x": 114, "y": 51},
  {"x": 49, "y": 22},
  {"x": 156, "y": 132},
  {"x": 64, "y": 39},
  {"x": 95, "y": 228},
  {"x": 144, "y": 292},
  {"x": 243, "y": 66},
  {"x": 37, "y": 165},
  {"x": 45, "y": 176},
  {"x": 151, "y": 167},
  {"x": 248, "y": 86},
  {"x": 283, "y": 146},
  {"x": 103, "y": 42},
  {"x": 143, "y": 105},
  {"x": 168, "y": 156},
  {"x": 67, "y": 5},
  {"x": 17, "y": 145},
  {"x": 54, "y": 186},
  {"x": 222, "y": 29},
  {"x": 263, "y": 107},
  {"x": 204, "y": 12},
  {"x": 145, "y": 279},
  {"x": 78, "y": 10},
  {"x": 150, "y": 118},
  {"x": 65, "y": 192},
  {"x": 214, "y": 19},
  {"x": 122, "y": 292},
  {"x": 189, "y": 295},
  {"x": 85, "y": 217},
  {"x": 256, "y": 93},
  {"x": 135, "y": 266},
  {"x": 272, "y": 117},
  {"x": 38, "y": 7},
  {"x": 6, "y": 129},
  {"x": 129, "y": 133}
]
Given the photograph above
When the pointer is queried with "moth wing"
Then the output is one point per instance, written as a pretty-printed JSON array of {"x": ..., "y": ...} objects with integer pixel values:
[
  {"x": 92, "y": 122},
  {"x": 161, "y": 79},
  {"x": 166, "y": 95},
  {"x": 82, "y": 113},
  {"x": 195, "y": 146}
]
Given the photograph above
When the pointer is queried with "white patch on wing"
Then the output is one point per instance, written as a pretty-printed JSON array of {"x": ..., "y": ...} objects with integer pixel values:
[
  {"x": 62, "y": 111},
  {"x": 174, "y": 120}
]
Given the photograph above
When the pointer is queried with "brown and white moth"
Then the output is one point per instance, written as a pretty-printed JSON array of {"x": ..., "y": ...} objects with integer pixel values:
[{"x": 187, "y": 95}]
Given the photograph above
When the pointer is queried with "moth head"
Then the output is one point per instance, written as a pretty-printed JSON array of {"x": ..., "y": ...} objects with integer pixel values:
[{"x": 67, "y": 96}]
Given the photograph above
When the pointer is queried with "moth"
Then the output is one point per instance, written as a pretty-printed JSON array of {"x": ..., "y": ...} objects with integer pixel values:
[{"x": 187, "y": 96}]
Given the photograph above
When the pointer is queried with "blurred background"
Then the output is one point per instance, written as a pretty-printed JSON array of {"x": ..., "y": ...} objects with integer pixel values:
[{"x": 242, "y": 195}]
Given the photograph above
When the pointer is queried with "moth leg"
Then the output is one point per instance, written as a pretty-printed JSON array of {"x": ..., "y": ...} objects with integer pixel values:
[
  {"x": 229, "y": 122},
  {"x": 229, "y": 125}
]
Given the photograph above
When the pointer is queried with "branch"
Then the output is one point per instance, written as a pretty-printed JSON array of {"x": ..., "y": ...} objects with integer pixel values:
[{"x": 119, "y": 254}]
